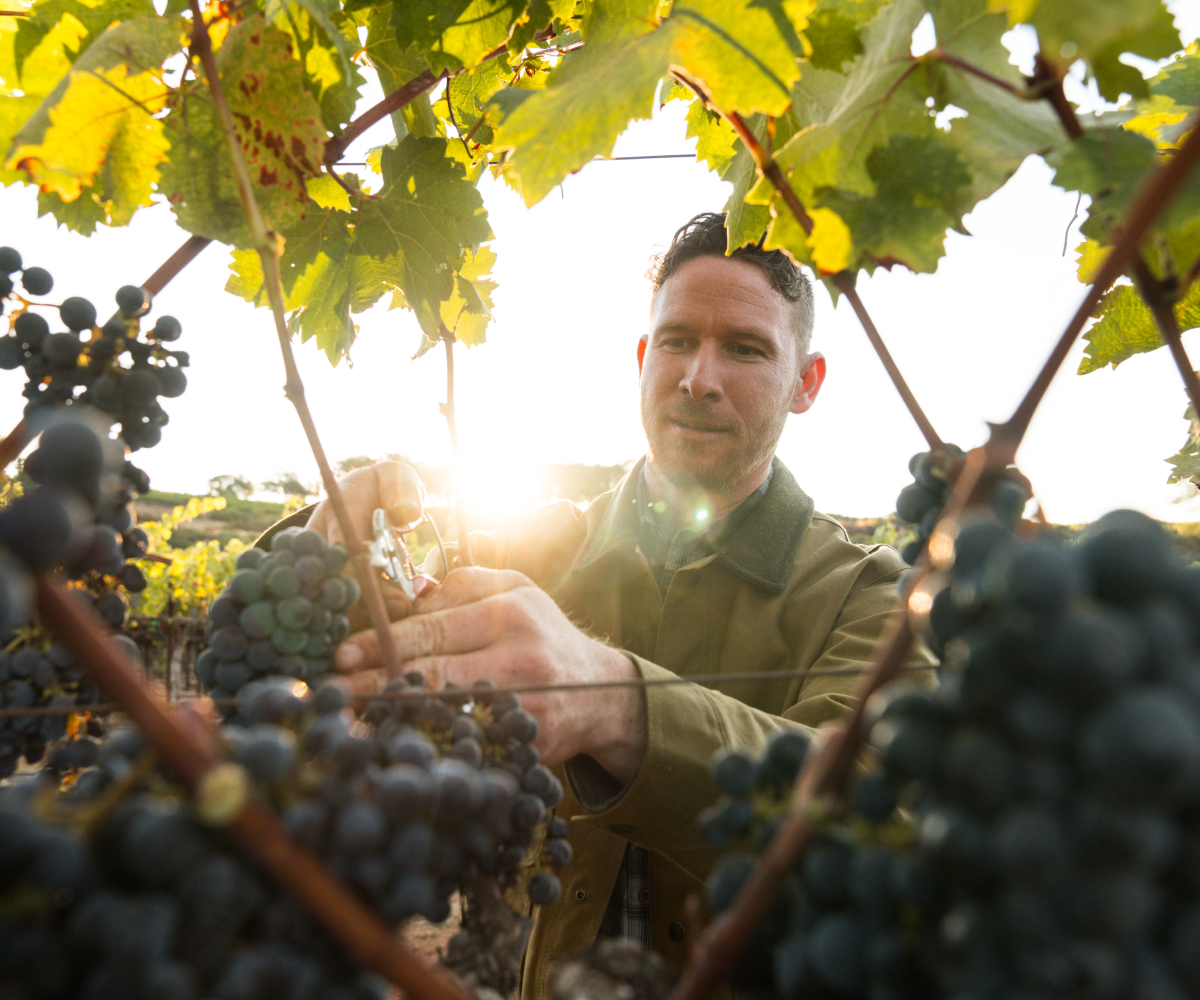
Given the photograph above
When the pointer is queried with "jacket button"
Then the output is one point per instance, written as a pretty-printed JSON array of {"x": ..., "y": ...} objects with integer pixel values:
[
  {"x": 676, "y": 932},
  {"x": 581, "y": 894}
]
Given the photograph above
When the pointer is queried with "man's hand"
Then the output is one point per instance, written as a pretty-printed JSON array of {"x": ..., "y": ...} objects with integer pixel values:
[
  {"x": 396, "y": 488},
  {"x": 497, "y": 624}
]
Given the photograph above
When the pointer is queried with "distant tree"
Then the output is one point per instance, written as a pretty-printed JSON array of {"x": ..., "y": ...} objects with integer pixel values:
[
  {"x": 230, "y": 486},
  {"x": 356, "y": 462},
  {"x": 288, "y": 483},
  {"x": 580, "y": 482}
]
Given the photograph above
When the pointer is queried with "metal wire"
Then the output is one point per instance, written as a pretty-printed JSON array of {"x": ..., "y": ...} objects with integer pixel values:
[{"x": 420, "y": 694}]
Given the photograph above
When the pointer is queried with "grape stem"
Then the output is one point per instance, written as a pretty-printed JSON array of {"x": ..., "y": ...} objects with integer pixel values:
[
  {"x": 268, "y": 244},
  {"x": 447, "y": 408},
  {"x": 400, "y": 97},
  {"x": 842, "y": 280},
  {"x": 183, "y": 744},
  {"x": 1154, "y": 196},
  {"x": 1162, "y": 308}
]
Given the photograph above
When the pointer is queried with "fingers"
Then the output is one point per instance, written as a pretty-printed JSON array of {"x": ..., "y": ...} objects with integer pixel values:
[
  {"x": 363, "y": 684},
  {"x": 400, "y": 491},
  {"x": 391, "y": 485},
  {"x": 440, "y": 633},
  {"x": 395, "y": 601},
  {"x": 469, "y": 584}
]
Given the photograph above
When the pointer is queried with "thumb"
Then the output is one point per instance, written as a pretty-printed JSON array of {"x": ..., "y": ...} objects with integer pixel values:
[{"x": 401, "y": 492}]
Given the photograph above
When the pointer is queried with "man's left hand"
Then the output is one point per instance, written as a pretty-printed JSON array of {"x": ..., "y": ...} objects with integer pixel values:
[{"x": 496, "y": 624}]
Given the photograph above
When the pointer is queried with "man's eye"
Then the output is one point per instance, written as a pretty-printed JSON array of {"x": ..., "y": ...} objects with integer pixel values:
[
  {"x": 745, "y": 350},
  {"x": 675, "y": 343}
]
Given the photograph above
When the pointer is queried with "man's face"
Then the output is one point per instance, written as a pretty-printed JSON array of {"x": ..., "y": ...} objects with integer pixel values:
[{"x": 720, "y": 375}]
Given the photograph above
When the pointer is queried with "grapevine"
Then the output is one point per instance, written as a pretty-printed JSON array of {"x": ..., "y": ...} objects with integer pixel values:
[{"x": 1058, "y": 756}]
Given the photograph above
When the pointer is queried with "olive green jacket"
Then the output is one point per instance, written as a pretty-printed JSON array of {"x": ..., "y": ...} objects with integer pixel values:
[{"x": 787, "y": 591}]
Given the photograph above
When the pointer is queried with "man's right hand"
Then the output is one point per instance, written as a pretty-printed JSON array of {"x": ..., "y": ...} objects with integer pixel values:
[{"x": 396, "y": 488}]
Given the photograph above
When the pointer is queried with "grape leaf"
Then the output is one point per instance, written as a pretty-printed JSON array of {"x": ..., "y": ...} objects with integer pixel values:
[
  {"x": 834, "y": 38},
  {"x": 429, "y": 213},
  {"x": 469, "y": 310},
  {"x": 90, "y": 19},
  {"x": 734, "y": 48},
  {"x": 97, "y": 126},
  {"x": 82, "y": 215},
  {"x": 1000, "y": 129},
  {"x": 451, "y": 34},
  {"x": 1099, "y": 31},
  {"x": 1108, "y": 164},
  {"x": 1186, "y": 464},
  {"x": 396, "y": 66},
  {"x": 716, "y": 140},
  {"x": 1125, "y": 326},
  {"x": 467, "y": 94},
  {"x": 279, "y": 127}
]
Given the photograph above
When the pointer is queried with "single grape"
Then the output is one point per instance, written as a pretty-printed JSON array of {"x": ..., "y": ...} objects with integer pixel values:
[
  {"x": 132, "y": 300},
  {"x": 10, "y": 260},
  {"x": 76, "y": 312},
  {"x": 37, "y": 280}
]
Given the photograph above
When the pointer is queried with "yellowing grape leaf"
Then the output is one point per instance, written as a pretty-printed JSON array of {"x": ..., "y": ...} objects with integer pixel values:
[
  {"x": 427, "y": 212},
  {"x": 450, "y": 34},
  {"x": 830, "y": 241},
  {"x": 1186, "y": 464},
  {"x": 1090, "y": 260},
  {"x": 468, "y": 311},
  {"x": 1125, "y": 326},
  {"x": 716, "y": 140},
  {"x": 328, "y": 193},
  {"x": 279, "y": 126},
  {"x": 90, "y": 18},
  {"x": 96, "y": 127}
]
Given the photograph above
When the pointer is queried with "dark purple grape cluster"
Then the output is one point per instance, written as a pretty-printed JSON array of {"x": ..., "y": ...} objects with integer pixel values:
[
  {"x": 435, "y": 786},
  {"x": 1055, "y": 773},
  {"x": 76, "y": 519},
  {"x": 934, "y": 472},
  {"x": 108, "y": 367},
  {"x": 837, "y": 926},
  {"x": 150, "y": 905},
  {"x": 438, "y": 789},
  {"x": 282, "y": 614}
]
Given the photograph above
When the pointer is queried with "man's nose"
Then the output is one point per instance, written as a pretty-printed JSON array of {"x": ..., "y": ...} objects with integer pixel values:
[{"x": 701, "y": 377}]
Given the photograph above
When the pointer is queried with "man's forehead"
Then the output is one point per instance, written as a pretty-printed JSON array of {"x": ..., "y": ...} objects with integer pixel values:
[{"x": 730, "y": 290}]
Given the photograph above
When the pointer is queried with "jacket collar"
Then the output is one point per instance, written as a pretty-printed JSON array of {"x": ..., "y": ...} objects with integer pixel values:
[{"x": 762, "y": 549}]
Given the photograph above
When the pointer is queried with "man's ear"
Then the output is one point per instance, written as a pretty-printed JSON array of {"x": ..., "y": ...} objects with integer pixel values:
[
  {"x": 641, "y": 349},
  {"x": 810, "y": 382}
]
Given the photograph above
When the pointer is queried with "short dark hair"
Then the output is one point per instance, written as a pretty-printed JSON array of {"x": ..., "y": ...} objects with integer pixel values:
[{"x": 704, "y": 235}]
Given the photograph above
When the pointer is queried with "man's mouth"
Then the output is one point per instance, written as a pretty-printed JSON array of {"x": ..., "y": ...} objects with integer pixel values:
[{"x": 692, "y": 425}]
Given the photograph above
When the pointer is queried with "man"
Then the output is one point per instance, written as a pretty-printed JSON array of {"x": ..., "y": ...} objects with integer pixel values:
[{"x": 707, "y": 558}]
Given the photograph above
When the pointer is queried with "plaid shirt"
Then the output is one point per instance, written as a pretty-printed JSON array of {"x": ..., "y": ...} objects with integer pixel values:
[{"x": 628, "y": 914}]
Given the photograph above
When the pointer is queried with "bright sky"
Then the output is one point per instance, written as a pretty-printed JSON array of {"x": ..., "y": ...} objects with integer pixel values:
[{"x": 557, "y": 380}]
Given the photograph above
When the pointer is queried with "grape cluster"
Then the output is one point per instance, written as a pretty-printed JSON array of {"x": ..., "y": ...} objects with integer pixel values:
[
  {"x": 920, "y": 502},
  {"x": 282, "y": 613},
  {"x": 63, "y": 369},
  {"x": 151, "y": 906},
  {"x": 1055, "y": 773},
  {"x": 437, "y": 788},
  {"x": 434, "y": 786},
  {"x": 32, "y": 677},
  {"x": 834, "y": 929},
  {"x": 77, "y": 518}
]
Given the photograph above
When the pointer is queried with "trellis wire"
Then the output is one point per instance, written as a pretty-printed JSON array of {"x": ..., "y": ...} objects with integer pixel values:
[{"x": 421, "y": 694}]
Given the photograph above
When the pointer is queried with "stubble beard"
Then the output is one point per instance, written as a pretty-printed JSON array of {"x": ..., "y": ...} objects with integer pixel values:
[{"x": 691, "y": 465}]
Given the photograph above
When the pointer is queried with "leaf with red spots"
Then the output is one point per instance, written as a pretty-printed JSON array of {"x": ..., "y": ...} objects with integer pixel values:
[{"x": 278, "y": 124}]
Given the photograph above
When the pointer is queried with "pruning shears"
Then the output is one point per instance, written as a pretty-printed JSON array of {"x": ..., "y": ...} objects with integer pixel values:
[{"x": 390, "y": 554}]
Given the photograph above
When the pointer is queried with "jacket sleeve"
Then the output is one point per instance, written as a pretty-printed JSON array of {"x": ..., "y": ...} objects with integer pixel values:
[{"x": 687, "y": 724}]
